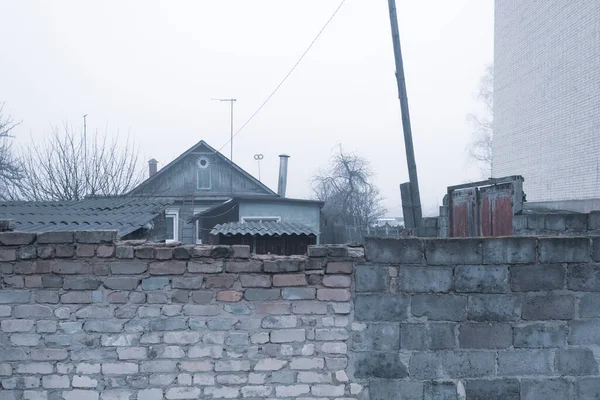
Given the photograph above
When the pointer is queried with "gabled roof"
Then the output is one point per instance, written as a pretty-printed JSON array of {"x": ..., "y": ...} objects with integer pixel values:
[
  {"x": 262, "y": 229},
  {"x": 125, "y": 214},
  {"x": 217, "y": 153}
]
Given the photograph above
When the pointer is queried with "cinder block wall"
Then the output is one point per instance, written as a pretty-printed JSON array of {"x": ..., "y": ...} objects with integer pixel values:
[
  {"x": 494, "y": 319},
  {"x": 83, "y": 317},
  {"x": 557, "y": 224}
]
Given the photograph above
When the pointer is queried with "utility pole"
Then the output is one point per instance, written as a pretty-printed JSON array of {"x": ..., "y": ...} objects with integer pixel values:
[
  {"x": 403, "y": 96},
  {"x": 231, "y": 101}
]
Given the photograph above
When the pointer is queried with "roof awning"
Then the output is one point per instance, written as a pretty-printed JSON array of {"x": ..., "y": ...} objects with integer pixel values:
[{"x": 262, "y": 229}]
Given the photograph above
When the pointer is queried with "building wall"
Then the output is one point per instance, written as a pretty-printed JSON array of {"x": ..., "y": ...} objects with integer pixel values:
[
  {"x": 547, "y": 97},
  {"x": 306, "y": 214},
  {"x": 85, "y": 317}
]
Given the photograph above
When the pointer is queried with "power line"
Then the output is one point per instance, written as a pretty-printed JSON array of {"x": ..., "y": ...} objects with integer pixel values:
[{"x": 286, "y": 76}]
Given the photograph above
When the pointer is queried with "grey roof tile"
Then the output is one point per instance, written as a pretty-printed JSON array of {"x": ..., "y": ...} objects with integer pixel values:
[{"x": 262, "y": 229}]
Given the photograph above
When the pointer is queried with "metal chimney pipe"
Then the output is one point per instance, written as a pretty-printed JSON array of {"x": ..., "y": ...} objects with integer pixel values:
[
  {"x": 152, "y": 167},
  {"x": 283, "y": 167}
]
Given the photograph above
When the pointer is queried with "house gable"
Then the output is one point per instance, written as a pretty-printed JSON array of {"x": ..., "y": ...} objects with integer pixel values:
[{"x": 201, "y": 172}]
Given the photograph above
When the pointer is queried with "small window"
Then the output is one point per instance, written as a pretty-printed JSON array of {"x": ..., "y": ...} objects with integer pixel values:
[
  {"x": 172, "y": 229},
  {"x": 261, "y": 219},
  {"x": 198, "y": 226},
  {"x": 204, "y": 178}
]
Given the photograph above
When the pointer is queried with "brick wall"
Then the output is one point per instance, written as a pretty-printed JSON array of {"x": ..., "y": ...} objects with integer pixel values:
[
  {"x": 83, "y": 317},
  {"x": 493, "y": 319}
]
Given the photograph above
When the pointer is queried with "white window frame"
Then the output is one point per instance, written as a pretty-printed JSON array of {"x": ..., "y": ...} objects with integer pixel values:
[
  {"x": 259, "y": 219},
  {"x": 173, "y": 212},
  {"x": 207, "y": 169},
  {"x": 197, "y": 224}
]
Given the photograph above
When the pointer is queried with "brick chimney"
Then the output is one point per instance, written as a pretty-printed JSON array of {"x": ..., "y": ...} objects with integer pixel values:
[{"x": 152, "y": 167}]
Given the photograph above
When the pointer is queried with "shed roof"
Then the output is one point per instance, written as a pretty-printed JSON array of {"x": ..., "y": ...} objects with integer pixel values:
[
  {"x": 262, "y": 229},
  {"x": 125, "y": 214}
]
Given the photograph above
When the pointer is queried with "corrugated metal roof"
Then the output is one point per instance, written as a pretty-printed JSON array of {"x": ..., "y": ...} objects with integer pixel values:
[
  {"x": 125, "y": 214},
  {"x": 262, "y": 229}
]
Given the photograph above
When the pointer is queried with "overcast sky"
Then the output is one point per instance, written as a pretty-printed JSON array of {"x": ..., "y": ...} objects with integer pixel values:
[{"x": 150, "y": 68}]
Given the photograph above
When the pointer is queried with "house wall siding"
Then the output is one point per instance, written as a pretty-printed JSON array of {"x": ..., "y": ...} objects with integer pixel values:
[{"x": 547, "y": 97}]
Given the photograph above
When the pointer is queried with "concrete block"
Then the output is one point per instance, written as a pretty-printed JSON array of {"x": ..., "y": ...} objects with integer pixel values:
[
  {"x": 485, "y": 336},
  {"x": 519, "y": 223},
  {"x": 539, "y": 336},
  {"x": 576, "y": 222},
  {"x": 525, "y": 362},
  {"x": 589, "y": 306},
  {"x": 440, "y": 391},
  {"x": 441, "y": 336},
  {"x": 128, "y": 267},
  {"x": 384, "y": 365},
  {"x": 439, "y": 307},
  {"x": 587, "y": 388},
  {"x": 394, "y": 251},
  {"x": 535, "y": 278},
  {"x": 283, "y": 266},
  {"x": 585, "y": 332},
  {"x": 495, "y": 389},
  {"x": 494, "y": 307},
  {"x": 549, "y": 307},
  {"x": 378, "y": 336},
  {"x": 514, "y": 250},
  {"x": 96, "y": 237},
  {"x": 425, "y": 279},
  {"x": 556, "y": 222},
  {"x": 468, "y": 364},
  {"x": 481, "y": 279},
  {"x": 546, "y": 389},
  {"x": 389, "y": 308},
  {"x": 384, "y": 389},
  {"x": 413, "y": 337},
  {"x": 371, "y": 278},
  {"x": 16, "y": 238},
  {"x": 536, "y": 221},
  {"x": 576, "y": 362},
  {"x": 583, "y": 277},
  {"x": 453, "y": 251},
  {"x": 558, "y": 250}
]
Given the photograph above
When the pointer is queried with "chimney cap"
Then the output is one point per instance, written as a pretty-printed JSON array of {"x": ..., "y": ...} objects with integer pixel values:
[
  {"x": 284, "y": 155},
  {"x": 153, "y": 161}
]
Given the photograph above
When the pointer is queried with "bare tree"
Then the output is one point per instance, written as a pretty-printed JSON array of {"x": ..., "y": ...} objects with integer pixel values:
[
  {"x": 10, "y": 171},
  {"x": 66, "y": 166},
  {"x": 349, "y": 194},
  {"x": 480, "y": 148}
]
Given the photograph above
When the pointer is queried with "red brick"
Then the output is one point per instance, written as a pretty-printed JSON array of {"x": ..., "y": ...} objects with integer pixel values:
[
  {"x": 290, "y": 280},
  {"x": 338, "y": 281},
  {"x": 256, "y": 281},
  {"x": 333, "y": 294},
  {"x": 339, "y": 268},
  {"x": 230, "y": 296}
]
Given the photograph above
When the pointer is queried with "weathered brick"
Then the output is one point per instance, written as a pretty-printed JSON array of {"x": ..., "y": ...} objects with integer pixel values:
[
  {"x": 105, "y": 251},
  {"x": 8, "y": 255},
  {"x": 222, "y": 281},
  {"x": 385, "y": 365},
  {"x": 85, "y": 250},
  {"x": 55, "y": 237},
  {"x": 439, "y": 307},
  {"x": 279, "y": 322},
  {"x": 230, "y": 296},
  {"x": 333, "y": 294},
  {"x": 549, "y": 307},
  {"x": 71, "y": 268},
  {"x": 274, "y": 308},
  {"x": 289, "y": 280},
  {"x": 453, "y": 251},
  {"x": 485, "y": 336},
  {"x": 154, "y": 283},
  {"x": 49, "y": 354},
  {"x": 189, "y": 282},
  {"x": 14, "y": 296},
  {"x": 76, "y": 298},
  {"x": 514, "y": 250},
  {"x": 128, "y": 267},
  {"x": 33, "y": 311},
  {"x": 81, "y": 283},
  {"x": 64, "y": 250},
  {"x": 481, "y": 279},
  {"x": 425, "y": 279},
  {"x": 119, "y": 368},
  {"x": 525, "y": 362},
  {"x": 289, "y": 265},
  {"x": 193, "y": 309},
  {"x": 199, "y": 296},
  {"x": 299, "y": 293},
  {"x": 439, "y": 390},
  {"x": 288, "y": 336},
  {"x": 262, "y": 294},
  {"x": 585, "y": 332},
  {"x": 539, "y": 336},
  {"x": 340, "y": 267},
  {"x": 557, "y": 250},
  {"x": 214, "y": 267},
  {"x": 381, "y": 307},
  {"x": 17, "y": 325},
  {"x": 378, "y": 336},
  {"x": 495, "y": 389},
  {"x": 16, "y": 238},
  {"x": 260, "y": 281},
  {"x": 385, "y": 389},
  {"x": 248, "y": 266},
  {"x": 167, "y": 268}
]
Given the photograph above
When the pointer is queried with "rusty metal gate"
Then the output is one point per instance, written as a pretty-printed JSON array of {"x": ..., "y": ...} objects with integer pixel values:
[{"x": 484, "y": 208}]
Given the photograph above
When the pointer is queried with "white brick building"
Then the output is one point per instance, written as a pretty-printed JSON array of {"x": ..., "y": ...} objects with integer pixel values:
[{"x": 547, "y": 97}]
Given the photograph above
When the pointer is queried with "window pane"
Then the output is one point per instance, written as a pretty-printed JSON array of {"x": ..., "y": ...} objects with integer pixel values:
[
  {"x": 170, "y": 227},
  {"x": 204, "y": 178}
]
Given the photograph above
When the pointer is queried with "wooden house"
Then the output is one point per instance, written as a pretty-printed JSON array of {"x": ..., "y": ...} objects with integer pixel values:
[{"x": 207, "y": 190}]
